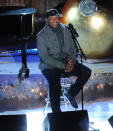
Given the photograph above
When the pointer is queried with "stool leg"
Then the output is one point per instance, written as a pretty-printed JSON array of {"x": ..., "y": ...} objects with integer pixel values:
[
  {"x": 46, "y": 106},
  {"x": 47, "y": 100},
  {"x": 65, "y": 100}
]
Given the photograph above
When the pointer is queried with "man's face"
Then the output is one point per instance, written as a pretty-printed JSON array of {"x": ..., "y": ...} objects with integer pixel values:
[{"x": 53, "y": 21}]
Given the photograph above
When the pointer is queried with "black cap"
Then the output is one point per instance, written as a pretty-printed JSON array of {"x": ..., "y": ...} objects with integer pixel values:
[{"x": 52, "y": 12}]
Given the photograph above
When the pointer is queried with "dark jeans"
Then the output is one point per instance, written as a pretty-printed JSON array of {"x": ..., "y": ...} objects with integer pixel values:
[{"x": 53, "y": 76}]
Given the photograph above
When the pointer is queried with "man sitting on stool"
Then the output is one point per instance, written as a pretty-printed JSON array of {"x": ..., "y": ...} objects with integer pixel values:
[{"x": 58, "y": 56}]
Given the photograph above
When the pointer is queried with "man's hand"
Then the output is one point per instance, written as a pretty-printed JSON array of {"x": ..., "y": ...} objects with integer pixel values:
[{"x": 69, "y": 66}]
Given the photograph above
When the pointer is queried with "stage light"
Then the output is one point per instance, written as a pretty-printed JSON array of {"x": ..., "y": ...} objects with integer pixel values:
[
  {"x": 87, "y": 7},
  {"x": 72, "y": 14},
  {"x": 97, "y": 22}
]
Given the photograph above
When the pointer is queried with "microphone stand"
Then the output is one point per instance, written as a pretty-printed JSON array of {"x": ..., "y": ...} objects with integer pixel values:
[{"x": 80, "y": 52}]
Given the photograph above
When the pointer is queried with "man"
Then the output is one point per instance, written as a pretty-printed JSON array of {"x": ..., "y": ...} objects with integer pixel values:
[{"x": 58, "y": 56}]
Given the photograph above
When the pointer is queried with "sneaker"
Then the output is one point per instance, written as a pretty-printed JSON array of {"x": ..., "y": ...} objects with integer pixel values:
[{"x": 71, "y": 100}]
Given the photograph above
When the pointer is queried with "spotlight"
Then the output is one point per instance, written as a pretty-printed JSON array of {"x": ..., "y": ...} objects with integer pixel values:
[
  {"x": 87, "y": 7},
  {"x": 97, "y": 22}
]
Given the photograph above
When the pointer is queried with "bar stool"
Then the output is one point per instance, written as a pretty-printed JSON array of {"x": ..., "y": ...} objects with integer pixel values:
[{"x": 65, "y": 85}]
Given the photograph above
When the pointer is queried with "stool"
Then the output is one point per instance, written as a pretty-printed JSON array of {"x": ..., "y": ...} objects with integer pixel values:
[{"x": 65, "y": 84}]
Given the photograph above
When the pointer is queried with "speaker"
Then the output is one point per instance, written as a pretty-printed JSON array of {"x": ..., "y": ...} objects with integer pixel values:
[
  {"x": 67, "y": 121},
  {"x": 111, "y": 121},
  {"x": 13, "y": 123}
]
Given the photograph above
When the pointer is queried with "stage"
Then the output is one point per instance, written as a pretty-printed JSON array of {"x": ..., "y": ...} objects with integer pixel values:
[{"x": 29, "y": 96}]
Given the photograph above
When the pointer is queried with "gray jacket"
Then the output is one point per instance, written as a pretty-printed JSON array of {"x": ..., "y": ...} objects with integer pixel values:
[{"x": 49, "y": 50}]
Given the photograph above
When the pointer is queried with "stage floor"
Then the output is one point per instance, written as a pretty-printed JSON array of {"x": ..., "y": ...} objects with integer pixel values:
[{"x": 98, "y": 112}]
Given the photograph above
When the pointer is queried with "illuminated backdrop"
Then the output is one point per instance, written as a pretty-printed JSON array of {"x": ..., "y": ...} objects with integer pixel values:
[{"x": 95, "y": 32}]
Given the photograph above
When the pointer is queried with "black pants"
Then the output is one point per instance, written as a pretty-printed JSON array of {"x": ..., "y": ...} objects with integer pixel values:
[{"x": 53, "y": 76}]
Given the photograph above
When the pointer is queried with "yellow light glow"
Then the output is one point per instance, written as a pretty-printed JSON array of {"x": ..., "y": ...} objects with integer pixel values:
[
  {"x": 98, "y": 86},
  {"x": 72, "y": 13},
  {"x": 32, "y": 90},
  {"x": 101, "y": 85},
  {"x": 110, "y": 84},
  {"x": 97, "y": 22},
  {"x": 40, "y": 94},
  {"x": 37, "y": 90}
]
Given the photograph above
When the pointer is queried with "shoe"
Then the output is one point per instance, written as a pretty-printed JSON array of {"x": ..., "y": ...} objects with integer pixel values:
[{"x": 71, "y": 100}]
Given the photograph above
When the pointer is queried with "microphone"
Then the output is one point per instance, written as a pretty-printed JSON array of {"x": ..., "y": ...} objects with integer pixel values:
[{"x": 72, "y": 30}]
